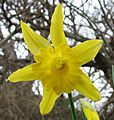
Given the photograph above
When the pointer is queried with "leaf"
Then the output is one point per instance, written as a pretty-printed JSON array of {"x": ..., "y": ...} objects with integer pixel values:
[{"x": 113, "y": 74}]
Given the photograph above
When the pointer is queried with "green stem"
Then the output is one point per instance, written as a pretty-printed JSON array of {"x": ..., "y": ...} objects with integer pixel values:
[
  {"x": 113, "y": 74},
  {"x": 73, "y": 110},
  {"x": 83, "y": 116}
]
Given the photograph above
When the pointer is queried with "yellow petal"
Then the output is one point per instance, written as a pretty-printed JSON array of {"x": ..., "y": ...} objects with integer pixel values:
[
  {"x": 24, "y": 74},
  {"x": 87, "y": 113},
  {"x": 48, "y": 100},
  {"x": 32, "y": 39},
  {"x": 86, "y": 51},
  {"x": 95, "y": 115},
  {"x": 84, "y": 85},
  {"x": 88, "y": 110},
  {"x": 56, "y": 29},
  {"x": 90, "y": 115}
]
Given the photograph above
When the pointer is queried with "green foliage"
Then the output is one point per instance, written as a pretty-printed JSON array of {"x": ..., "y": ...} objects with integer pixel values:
[{"x": 113, "y": 74}]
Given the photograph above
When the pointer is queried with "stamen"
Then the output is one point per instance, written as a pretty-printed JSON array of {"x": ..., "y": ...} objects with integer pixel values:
[{"x": 59, "y": 63}]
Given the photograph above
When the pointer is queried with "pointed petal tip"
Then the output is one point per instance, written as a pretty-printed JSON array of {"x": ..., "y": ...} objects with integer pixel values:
[
  {"x": 94, "y": 41},
  {"x": 21, "y": 22},
  {"x": 24, "y": 74},
  {"x": 99, "y": 41},
  {"x": 33, "y": 40},
  {"x": 98, "y": 45},
  {"x": 59, "y": 5},
  {"x": 43, "y": 111},
  {"x": 97, "y": 96},
  {"x": 56, "y": 29},
  {"x": 48, "y": 100},
  {"x": 24, "y": 26},
  {"x": 11, "y": 78}
]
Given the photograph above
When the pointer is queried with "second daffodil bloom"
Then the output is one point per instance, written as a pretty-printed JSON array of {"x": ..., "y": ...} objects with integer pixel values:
[
  {"x": 57, "y": 65},
  {"x": 89, "y": 111}
]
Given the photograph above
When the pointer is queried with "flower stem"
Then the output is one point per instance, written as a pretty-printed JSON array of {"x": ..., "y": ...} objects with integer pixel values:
[
  {"x": 83, "y": 116},
  {"x": 113, "y": 74},
  {"x": 73, "y": 110}
]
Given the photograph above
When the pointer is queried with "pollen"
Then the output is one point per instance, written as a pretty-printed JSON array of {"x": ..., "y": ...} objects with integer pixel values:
[{"x": 59, "y": 63}]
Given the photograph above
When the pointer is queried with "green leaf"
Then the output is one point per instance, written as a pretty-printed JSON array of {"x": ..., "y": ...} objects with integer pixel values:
[{"x": 113, "y": 74}]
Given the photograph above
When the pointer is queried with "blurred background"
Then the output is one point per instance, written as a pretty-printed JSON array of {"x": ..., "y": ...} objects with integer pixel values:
[{"x": 83, "y": 20}]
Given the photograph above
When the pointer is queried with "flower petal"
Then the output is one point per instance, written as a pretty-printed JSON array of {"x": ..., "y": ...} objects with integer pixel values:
[
  {"x": 87, "y": 113},
  {"x": 56, "y": 29},
  {"x": 24, "y": 74},
  {"x": 95, "y": 115},
  {"x": 86, "y": 104},
  {"x": 86, "y": 51},
  {"x": 83, "y": 84},
  {"x": 32, "y": 39},
  {"x": 48, "y": 100},
  {"x": 90, "y": 115}
]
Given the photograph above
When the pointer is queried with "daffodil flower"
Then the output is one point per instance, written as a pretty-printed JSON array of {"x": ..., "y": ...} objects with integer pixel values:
[
  {"x": 89, "y": 111},
  {"x": 57, "y": 65}
]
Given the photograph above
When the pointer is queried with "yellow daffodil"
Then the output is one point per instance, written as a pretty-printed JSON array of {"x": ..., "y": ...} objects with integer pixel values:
[
  {"x": 89, "y": 111},
  {"x": 57, "y": 65}
]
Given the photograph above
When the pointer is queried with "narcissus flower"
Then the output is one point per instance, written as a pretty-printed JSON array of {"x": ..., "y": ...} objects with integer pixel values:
[
  {"x": 57, "y": 65},
  {"x": 89, "y": 111}
]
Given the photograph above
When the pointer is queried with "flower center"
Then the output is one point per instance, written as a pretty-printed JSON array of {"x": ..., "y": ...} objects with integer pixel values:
[{"x": 59, "y": 63}]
